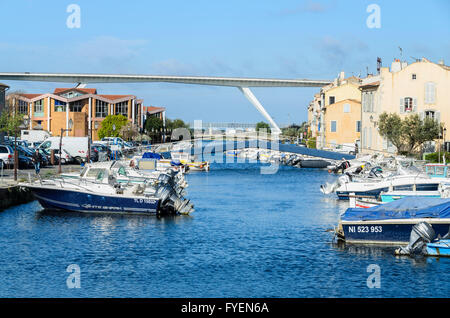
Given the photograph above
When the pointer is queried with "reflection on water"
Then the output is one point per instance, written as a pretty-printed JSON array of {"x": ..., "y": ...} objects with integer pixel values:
[{"x": 251, "y": 235}]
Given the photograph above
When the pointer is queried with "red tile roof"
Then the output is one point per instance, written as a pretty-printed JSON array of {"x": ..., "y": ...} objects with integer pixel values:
[
  {"x": 113, "y": 97},
  {"x": 84, "y": 90},
  {"x": 30, "y": 96},
  {"x": 153, "y": 109}
]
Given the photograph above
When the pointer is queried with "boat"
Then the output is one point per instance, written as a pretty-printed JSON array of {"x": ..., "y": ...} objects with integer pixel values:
[
  {"x": 190, "y": 161},
  {"x": 423, "y": 241},
  {"x": 439, "y": 248},
  {"x": 97, "y": 191},
  {"x": 364, "y": 202},
  {"x": 391, "y": 223},
  {"x": 403, "y": 180}
]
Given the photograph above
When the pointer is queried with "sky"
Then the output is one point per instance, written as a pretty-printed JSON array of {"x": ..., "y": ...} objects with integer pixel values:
[{"x": 272, "y": 39}]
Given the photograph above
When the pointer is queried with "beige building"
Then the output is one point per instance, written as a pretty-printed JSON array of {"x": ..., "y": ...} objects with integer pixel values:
[{"x": 422, "y": 87}]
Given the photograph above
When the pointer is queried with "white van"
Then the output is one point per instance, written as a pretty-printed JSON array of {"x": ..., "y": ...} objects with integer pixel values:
[
  {"x": 32, "y": 136},
  {"x": 76, "y": 147}
]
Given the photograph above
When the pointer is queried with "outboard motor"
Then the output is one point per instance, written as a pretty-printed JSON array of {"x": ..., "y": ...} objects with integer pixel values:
[{"x": 421, "y": 234}]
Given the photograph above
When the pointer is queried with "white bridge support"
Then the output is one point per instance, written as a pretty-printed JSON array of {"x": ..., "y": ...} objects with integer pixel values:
[{"x": 252, "y": 98}]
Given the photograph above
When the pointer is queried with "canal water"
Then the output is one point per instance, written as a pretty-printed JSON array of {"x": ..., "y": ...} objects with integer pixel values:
[{"x": 252, "y": 235}]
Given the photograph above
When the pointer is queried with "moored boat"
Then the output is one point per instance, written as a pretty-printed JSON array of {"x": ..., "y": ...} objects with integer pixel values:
[
  {"x": 391, "y": 223},
  {"x": 97, "y": 190}
]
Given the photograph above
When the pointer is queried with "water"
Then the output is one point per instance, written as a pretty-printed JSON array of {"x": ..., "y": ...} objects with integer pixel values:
[{"x": 252, "y": 235}]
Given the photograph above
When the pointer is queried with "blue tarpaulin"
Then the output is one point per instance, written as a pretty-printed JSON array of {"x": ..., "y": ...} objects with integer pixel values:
[
  {"x": 151, "y": 155},
  {"x": 405, "y": 208}
]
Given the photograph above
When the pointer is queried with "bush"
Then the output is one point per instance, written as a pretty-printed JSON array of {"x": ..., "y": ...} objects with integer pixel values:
[
  {"x": 434, "y": 156},
  {"x": 311, "y": 143}
]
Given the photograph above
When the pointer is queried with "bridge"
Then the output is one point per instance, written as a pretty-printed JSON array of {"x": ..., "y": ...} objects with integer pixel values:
[{"x": 243, "y": 84}]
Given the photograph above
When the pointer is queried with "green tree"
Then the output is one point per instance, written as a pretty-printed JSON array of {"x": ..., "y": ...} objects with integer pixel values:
[
  {"x": 176, "y": 123},
  {"x": 110, "y": 122},
  {"x": 390, "y": 127},
  {"x": 409, "y": 134},
  {"x": 10, "y": 119},
  {"x": 263, "y": 126},
  {"x": 153, "y": 123}
]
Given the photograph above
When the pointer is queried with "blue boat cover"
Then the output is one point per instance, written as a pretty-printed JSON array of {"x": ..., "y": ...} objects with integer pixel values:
[
  {"x": 151, "y": 155},
  {"x": 405, "y": 208}
]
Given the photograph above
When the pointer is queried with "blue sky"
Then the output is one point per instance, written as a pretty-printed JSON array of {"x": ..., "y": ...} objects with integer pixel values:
[{"x": 280, "y": 39}]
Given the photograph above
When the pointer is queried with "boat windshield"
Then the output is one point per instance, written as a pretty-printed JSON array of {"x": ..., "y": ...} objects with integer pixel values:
[
  {"x": 122, "y": 171},
  {"x": 96, "y": 173}
]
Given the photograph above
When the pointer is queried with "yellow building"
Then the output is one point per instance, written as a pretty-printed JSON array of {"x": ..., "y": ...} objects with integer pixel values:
[
  {"x": 422, "y": 88},
  {"x": 343, "y": 123},
  {"x": 82, "y": 108},
  {"x": 335, "y": 112}
]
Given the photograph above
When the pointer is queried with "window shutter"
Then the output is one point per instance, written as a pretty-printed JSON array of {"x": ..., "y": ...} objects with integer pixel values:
[
  {"x": 432, "y": 93},
  {"x": 422, "y": 115},
  {"x": 385, "y": 144},
  {"x": 402, "y": 106},
  {"x": 437, "y": 116},
  {"x": 414, "y": 108}
]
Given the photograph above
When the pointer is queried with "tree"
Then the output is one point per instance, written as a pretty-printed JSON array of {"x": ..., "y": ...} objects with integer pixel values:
[
  {"x": 409, "y": 134},
  {"x": 153, "y": 123},
  {"x": 263, "y": 127},
  {"x": 106, "y": 130},
  {"x": 129, "y": 131},
  {"x": 176, "y": 123},
  {"x": 390, "y": 127},
  {"x": 10, "y": 118}
]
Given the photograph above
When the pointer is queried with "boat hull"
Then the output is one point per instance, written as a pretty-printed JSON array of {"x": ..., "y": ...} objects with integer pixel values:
[
  {"x": 387, "y": 231},
  {"x": 69, "y": 200},
  {"x": 441, "y": 248}
]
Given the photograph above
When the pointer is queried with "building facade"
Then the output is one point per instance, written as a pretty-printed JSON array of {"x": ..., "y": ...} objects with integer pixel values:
[
  {"x": 83, "y": 109},
  {"x": 422, "y": 88},
  {"x": 334, "y": 114},
  {"x": 3, "y": 89}
]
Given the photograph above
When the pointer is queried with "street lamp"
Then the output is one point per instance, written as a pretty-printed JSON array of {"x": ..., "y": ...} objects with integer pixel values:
[
  {"x": 23, "y": 125},
  {"x": 70, "y": 124}
]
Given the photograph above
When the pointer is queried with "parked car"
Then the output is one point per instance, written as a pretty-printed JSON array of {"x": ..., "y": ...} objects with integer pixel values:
[
  {"x": 25, "y": 162},
  {"x": 7, "y": 155}
]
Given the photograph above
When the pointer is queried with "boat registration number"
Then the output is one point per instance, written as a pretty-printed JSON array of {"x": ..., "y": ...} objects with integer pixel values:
[
  {"x": 146, "y": 201},
  {"x": 365, "y": 229}
]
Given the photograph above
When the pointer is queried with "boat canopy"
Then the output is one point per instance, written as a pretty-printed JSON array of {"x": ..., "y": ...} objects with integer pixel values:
[{"x": 405, "y": 208}]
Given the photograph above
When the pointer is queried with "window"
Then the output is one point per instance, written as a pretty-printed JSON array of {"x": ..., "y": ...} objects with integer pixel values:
[
  {"x": 4, "y": 150},
  {"x": 23, "y": 107},
  {"x": 331, "y": 100},
  {"x": 101, "y": 109},
  {"x": 430, "y": 114},
  {"x": 346, "y": 108},
  {"x": 333, "y": 126},
  {"x": 358, "y": 126},
  {"x": 39, "y": 106},
  {"x": 414, "y": 76},
  {"x": 60, "y": 106},
  {"x": 71, "y": 94},
  {"x": 75, "y": 106},
  {"x": 121, "y": 108},
  {"x": 408, "y": 104},
  {"x": 430, "y": 92}
]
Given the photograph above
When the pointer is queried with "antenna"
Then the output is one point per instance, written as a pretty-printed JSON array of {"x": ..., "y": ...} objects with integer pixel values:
[{"x": 401, "y": 52}]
